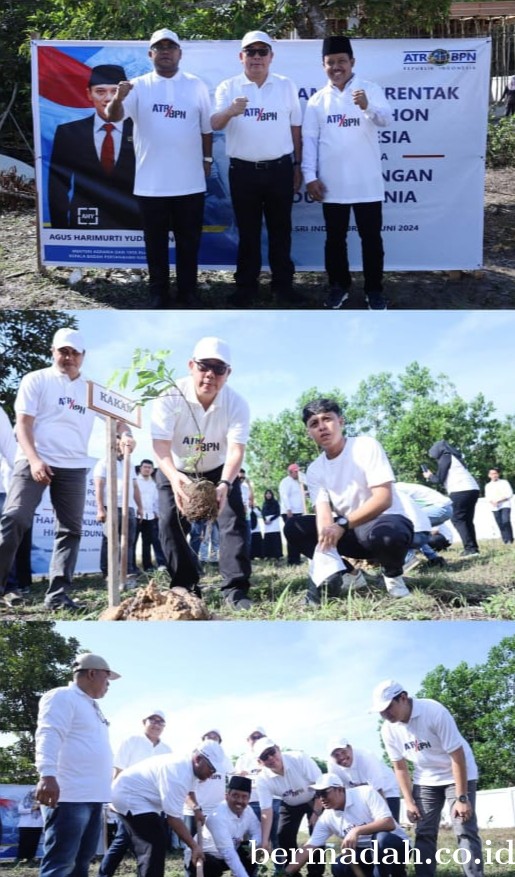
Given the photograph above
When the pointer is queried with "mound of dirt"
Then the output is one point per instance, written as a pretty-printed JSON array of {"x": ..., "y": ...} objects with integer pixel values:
[{"x": 151, "y": 604}]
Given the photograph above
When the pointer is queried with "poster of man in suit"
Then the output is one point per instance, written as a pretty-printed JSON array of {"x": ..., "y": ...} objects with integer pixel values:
[{"x": 91, "y": 174}]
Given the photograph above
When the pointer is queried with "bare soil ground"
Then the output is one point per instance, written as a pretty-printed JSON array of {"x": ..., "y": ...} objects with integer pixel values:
[{"x": 23, "y": 286}]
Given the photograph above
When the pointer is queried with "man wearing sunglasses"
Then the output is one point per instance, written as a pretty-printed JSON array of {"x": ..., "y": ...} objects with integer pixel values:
[
  {"x": 142, "y": 792},
  {"x": 260, "y": 114},
  {"x": 357, "y": 816},
  {"x": 288, "y": 776},
  {"x": 201, "y": 428},
  {"x": 133, "y": 749}
]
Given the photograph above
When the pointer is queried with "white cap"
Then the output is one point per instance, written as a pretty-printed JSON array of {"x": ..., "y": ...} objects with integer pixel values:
[
  {"x": 327, "y": 781},
  {"x": 384, "y": 693},
  {"x": 68, "y": 338},
  {"x": 214, "y": 754},
  {"x": 213, "y": 731},
  {"x": 212, "y": 348},
  {"x": 256, "y": 36},
  {"x": 262, "y": 745},
  {"x": 337, "y": 743},
  {"x": 258, "y": 730},
  {"x": 88, "y": 661},
  {"x": 164, "y": 34},
  {"x": 158, "y": 713}
]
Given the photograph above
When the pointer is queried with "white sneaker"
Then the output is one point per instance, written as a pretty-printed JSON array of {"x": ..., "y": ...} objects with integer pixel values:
[
  {"x": 353, "y": 581},
  {"x": 395, "y": 586}
]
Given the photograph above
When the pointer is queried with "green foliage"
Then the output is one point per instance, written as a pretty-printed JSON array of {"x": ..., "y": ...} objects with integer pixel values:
[
  {"x": 392, "y": 19},
  {"x": 406, "y": 413},
  {"x": 33, "y": 659},
  {"x": 500, "y": 145},
  {"x": 25, "y": 340},
  {"x": 17, "y": 761},
  {"x": 482, "y": 700}
]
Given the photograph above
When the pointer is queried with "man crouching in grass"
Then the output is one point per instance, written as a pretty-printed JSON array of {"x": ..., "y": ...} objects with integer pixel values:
[{"x": 362, "y": 819}]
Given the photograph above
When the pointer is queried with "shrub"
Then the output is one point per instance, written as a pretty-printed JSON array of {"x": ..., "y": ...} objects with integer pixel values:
[{"x": 500, "y": 146}]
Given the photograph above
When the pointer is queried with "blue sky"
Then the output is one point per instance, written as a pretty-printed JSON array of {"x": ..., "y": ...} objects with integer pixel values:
[
  {"x": 279, "y": 354},
  {"x": 305, "y": 682}
]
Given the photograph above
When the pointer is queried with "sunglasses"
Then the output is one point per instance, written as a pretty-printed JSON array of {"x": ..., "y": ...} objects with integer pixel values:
[
  {"x": 218, "y": 368},
  {"x": 268, "y": 753},
  {"x": 156, "y": 720},
  {"x": 251, "y": 53},
  {"x": 322, "y": 793}
]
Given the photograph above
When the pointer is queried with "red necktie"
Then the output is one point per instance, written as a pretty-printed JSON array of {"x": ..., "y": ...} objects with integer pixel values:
[{"x": 107, "y": 150}]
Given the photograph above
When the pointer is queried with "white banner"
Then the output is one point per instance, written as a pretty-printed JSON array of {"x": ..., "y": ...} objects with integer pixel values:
[{"x": 433, "y": 156}]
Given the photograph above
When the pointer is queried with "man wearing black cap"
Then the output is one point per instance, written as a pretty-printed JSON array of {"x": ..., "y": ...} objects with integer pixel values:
[
  {"x": 91, "y": 177},
  {"x": 173, "y": 145},
  {"x": 226, "y": 830},
  {"x": 342, "y": 169}
]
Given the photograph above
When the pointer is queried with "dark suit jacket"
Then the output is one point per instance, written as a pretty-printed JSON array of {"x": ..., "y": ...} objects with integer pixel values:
[{"x": 77, "y": 181}]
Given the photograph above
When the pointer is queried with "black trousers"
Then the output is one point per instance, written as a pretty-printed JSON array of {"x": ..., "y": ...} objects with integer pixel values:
[
  {"x": 289, "y": 824},
  {"x": 215, "y": 867},
  {"x": 183, "y": 564},
  {"x": 369, "y": 219},
  {"x": 263, "y": 189},
  {"x": 386, "y": 539},
  {"x": 183, "y": 215},
  {"x": 463, "y": 506},
  {"x": 149, "y": 839},
  {"x": 293, "y": 551}
]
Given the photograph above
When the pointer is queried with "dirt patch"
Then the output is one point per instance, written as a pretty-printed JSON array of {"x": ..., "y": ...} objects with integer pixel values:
[
  {"x": 23, "y": 286},
  {"x": 152, "y": 604}
]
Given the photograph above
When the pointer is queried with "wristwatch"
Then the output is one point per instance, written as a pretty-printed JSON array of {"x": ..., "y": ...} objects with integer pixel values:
[
  {"x": 342, "y": 522},
  {"x": 208, "y": 158},
  {"x": 463, "y": 799}
]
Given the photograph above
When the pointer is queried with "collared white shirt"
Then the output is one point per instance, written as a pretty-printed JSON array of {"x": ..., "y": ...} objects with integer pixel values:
[
  {"x": 170, "y": 114},
  {"x": 227, "y": 420},
  {"x": 137, "y": 748},
  {"x": 362, "y": 805},
  {"x": 100, "y": 471},
  {"x": 62, "y": 419},
  {"x": 367, "y": 769},
  {"x": 72, "y": 745},
  {"x": 154, "y": 785},
  {"x": 263, "y": 131},
  {"x": 341, "y": 144},
  {"x": 290, "y": 495},
  {"x": 426, "y": 740},
  {"x": 149, "y": 497},
  {"x": 494, "y": 490},
  {"x": 294, "y": 786},
  {"x": 223, "y": 833}
]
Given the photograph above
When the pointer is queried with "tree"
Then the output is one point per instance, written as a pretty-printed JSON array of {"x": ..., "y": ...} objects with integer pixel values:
[
  {"x": 25, "y": 341},
  {"x": 33, "y": 658},
  {"x": 482, "y": 700}
]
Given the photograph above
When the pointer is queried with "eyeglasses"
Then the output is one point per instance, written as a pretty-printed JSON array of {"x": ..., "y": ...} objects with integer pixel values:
[
  {"x": 156, "y": 720},
  {"x": 251, "y": 53},
  {"x": 256, "y": 736},
  {"x": 268, "y": 753},
  {"x": 322, "y": 793},
  {"x": 218, "y": 368},
  {"x": 167, "y": 47}
]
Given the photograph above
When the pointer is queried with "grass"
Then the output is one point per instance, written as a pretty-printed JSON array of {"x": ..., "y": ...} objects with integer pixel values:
[
  {"x": 479, "y": 588},
  {"x": 498, "y": 838}
]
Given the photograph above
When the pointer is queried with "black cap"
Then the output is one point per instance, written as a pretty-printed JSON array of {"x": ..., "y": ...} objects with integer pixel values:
[
  {"x": 336, "y": 46},
  {"x": 107, "y": 74},
  {"x": 241, "y": 784}
]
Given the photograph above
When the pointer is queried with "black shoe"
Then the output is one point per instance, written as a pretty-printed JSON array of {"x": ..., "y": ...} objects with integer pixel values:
[
  {"x": 238, "y": 599},
  {"x": 62, "y": 601},
  {"x": 243, "y": 297},
  {"x": 337, "y": 296},
  {"x": 12, "y": 599},
  {"x": 190, "y": 300},
  {"x": 161, "y": 302},
  {"x": 436, "y": 561},
  {"x": 331, "y": 589},
  {"x": 375, "y": 301}
]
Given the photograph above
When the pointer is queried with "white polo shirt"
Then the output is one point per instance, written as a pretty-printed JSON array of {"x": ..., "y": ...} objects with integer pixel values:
[
  {"x": 227, "y": 420},
  {"x": 223, "y": 833},
  {"x": 137, "y": 748},
  {"x": 499, "y": 490},
  {"x": 293, "y": 787},
  {"x": 72, "y": 744},
  {"x": 346, "y": 480},
  {"x": 290, "y": 495},
  {"x": 362, "y": 805},
  {"x": 341, "y": 144},
  {"x": 149, "y": 497},
  {"x": 367, "y": 769},
  {"x": 154, "y": 785},
  {"x": 211, "y": 792},
  {"x": 170, "y": 115},
  {"x": 426, "y": 740},
  {"x": 263, "y": 131},
  {"x": 249, "y": 765},
  {"x": 62, "y": 420},
  {"x": 100, "y": 471}
]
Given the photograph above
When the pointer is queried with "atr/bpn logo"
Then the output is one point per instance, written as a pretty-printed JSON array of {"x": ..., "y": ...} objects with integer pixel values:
[
  {"x": 87, "y": 216},
  {"x": 440, "y": 57}
]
